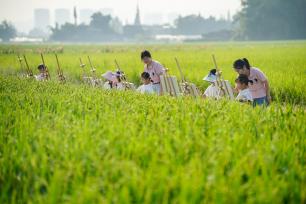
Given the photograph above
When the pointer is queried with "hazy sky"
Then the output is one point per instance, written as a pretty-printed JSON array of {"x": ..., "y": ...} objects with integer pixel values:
[{"x": 20, "y": 12}]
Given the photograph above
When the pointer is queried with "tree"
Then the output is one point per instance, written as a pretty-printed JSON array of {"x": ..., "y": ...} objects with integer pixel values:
[
  {"x": 7, "y": 31},
  {"x": 99, "y": 29},
  {"x": 272, "y": 20},
  {"x": 197, "y": 25}
]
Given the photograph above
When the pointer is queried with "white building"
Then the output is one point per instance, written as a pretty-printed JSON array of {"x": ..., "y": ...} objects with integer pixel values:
[
  {"x": 42, "y": 19},
  {"x": 85, "y": 15},
  {"x": 62, "y": 16}
]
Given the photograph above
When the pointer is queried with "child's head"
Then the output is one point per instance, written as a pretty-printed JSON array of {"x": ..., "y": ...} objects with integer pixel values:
[
  {"x": 145, "y": 78},
  {"x": 146, "y": 57},
  {"x": 242, "y": 82},
  {"x": 119, "y": 76},
  {"x": 41, "y": 68},
  {"x": 211, "y": 77}
]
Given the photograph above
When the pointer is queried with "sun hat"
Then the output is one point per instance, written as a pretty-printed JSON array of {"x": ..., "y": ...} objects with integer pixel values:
[
  {"x": 211, "y": 77},
  {"x": 109, "y": 76}
]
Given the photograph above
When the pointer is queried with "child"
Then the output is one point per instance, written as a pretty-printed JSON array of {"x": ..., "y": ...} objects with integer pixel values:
[
  {"x": 113, "y": 81},
  {"x": 242, "y": 85},
  {"x": 212, "y": 91},
  {"x": 42, "y": 73},
  {"x": 147, "y": 87}
]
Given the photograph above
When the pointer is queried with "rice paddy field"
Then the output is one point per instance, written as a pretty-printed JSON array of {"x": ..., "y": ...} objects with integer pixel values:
[{"x": 71, "y": 143}]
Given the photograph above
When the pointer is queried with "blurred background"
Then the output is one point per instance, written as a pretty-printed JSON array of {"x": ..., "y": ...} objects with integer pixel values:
[{"x": 148, "y": 21}]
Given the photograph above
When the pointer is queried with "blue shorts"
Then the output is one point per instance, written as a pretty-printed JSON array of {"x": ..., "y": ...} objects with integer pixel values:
[{"x": 260, "y": 101}]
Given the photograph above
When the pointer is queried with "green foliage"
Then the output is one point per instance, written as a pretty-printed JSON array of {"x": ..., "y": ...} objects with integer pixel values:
[
  {"x": 7, "y": 31},
  {"x": 273, "y": 19},
  {"x": 198, "y": 25},
  {"x": 99, "y": 29},
  {"x": 282, "y": 62},
  {"x": 76, "y": 144}
]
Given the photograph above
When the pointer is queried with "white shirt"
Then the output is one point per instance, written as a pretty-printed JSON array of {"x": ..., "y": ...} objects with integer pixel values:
[
  {"x": 212, "y": 91},
  {"x": 107, "y": 86},
  {"x": 118, "y": 86},
  {"x": 146, "y": 89},
  {"x": 40, "y": 77},
  {"x": 244, "y": 96}
]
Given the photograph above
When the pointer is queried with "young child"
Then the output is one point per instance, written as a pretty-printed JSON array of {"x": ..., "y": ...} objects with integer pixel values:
[
  {"x": 212, "y": 91},
  {"x": 42, "y": 73},
  {"x": 147, "y": 87},
  {"x": 113, "y": 81},
  {"x": 242, "y": 85}
]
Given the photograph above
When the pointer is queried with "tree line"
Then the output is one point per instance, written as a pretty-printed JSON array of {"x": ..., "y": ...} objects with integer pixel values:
[{"x": 257, "y": 20}]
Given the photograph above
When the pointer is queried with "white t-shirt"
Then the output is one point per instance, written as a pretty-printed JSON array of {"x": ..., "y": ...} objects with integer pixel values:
[
  {"x": 118, "y": 86},
  {"x": 244, "y": 96},
  {"x": 107, "y": 86},
  {"x": 212, "y": 91},
  {"x": 146, "y": 89},
  {"x": 40, "y": 77}
]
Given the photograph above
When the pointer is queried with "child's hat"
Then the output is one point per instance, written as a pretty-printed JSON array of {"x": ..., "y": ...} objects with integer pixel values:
[
  {"x": 211, "y": 77},
  {"x": 109, "y": 76}
]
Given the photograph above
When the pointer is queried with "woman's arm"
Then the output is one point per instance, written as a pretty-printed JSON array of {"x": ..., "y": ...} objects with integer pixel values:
[{"x": 266, "y": 84}]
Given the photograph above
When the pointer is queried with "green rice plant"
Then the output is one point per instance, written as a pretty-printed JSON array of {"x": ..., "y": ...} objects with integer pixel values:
[{"x": 76, "y": 144}]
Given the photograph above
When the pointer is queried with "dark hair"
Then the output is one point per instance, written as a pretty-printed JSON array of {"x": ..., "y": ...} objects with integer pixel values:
[
  {"x": 41, "y": 67},
  {"x": 213, "y": 71},
  {"x": 240, "y": 63},
  {"x": 243, "y": 79},
  {"x": 145, "y": 75},
  {"x": 120, "y": 75},
  {"x": 145, "y": 53}
]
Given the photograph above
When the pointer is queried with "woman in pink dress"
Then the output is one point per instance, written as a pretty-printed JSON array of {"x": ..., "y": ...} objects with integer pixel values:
[
  {"x": 154, "y": 68},
  {"x": 259, "y": 87}
]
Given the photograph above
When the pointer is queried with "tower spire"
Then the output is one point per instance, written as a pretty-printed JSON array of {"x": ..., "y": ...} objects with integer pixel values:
[
  {"x": 137, "y": 18},
  {"x": 75, "y": 16}
]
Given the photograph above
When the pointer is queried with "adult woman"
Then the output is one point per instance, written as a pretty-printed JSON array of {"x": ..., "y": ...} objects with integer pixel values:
[
  {"x": 154, "y": 68},
  {"x": 259, "y": 86}
]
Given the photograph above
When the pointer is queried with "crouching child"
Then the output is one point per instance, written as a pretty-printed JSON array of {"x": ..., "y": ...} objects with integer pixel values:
[
  {"x": 212, "y": 90},
  {"x": 242, "y": 85},
  {"x": 42, "y": 76},
  {"x": 146, "y": 87}
]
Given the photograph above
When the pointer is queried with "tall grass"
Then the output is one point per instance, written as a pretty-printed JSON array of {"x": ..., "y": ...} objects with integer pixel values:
[
  {"x": 75, "y": 144},
  {"x": 284, "y": 63}
]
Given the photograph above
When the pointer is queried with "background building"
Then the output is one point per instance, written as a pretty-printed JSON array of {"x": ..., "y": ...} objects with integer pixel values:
[
  {"x": 62, "y": 16},
  {"x": 85, "y": 14},
  {"x": 42, "y": 19}
]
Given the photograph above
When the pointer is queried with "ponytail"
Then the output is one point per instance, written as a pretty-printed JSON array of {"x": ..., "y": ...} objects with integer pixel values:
[
  {"x": 246, "y": 63},
  {"x": 240, "y": 63}
]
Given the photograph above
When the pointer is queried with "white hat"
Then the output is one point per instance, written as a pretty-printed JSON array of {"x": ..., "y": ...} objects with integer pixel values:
[
  {"x": 109, "y": 76},
  {"x": 210, "y": 78}
]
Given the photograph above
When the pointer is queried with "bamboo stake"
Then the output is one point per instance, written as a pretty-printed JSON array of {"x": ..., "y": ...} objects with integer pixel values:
[
  {"x": 29, "y": 70},
  {"x": 48, "y": 77},
  {"x": 21, "y": 65},
  {"x": 93, "y": 70},
  {"x": 220, "y": 79},
  {"x": 83, "y": 67},
  {"x": 60, "y": 71}
]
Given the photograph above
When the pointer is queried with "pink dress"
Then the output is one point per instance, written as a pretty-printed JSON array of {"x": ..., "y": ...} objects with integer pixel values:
[
  {"x": 257, "y": 88},
  {"x": 155, "y": 69}
]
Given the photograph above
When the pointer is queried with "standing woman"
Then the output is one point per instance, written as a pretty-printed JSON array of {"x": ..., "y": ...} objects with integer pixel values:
[
  {"x": 154, "y": 68},
  {"x": 259, "y": 86}
]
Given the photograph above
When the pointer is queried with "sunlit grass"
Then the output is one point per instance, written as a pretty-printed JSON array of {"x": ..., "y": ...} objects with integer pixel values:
[{"x": 77, "y": 144}]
